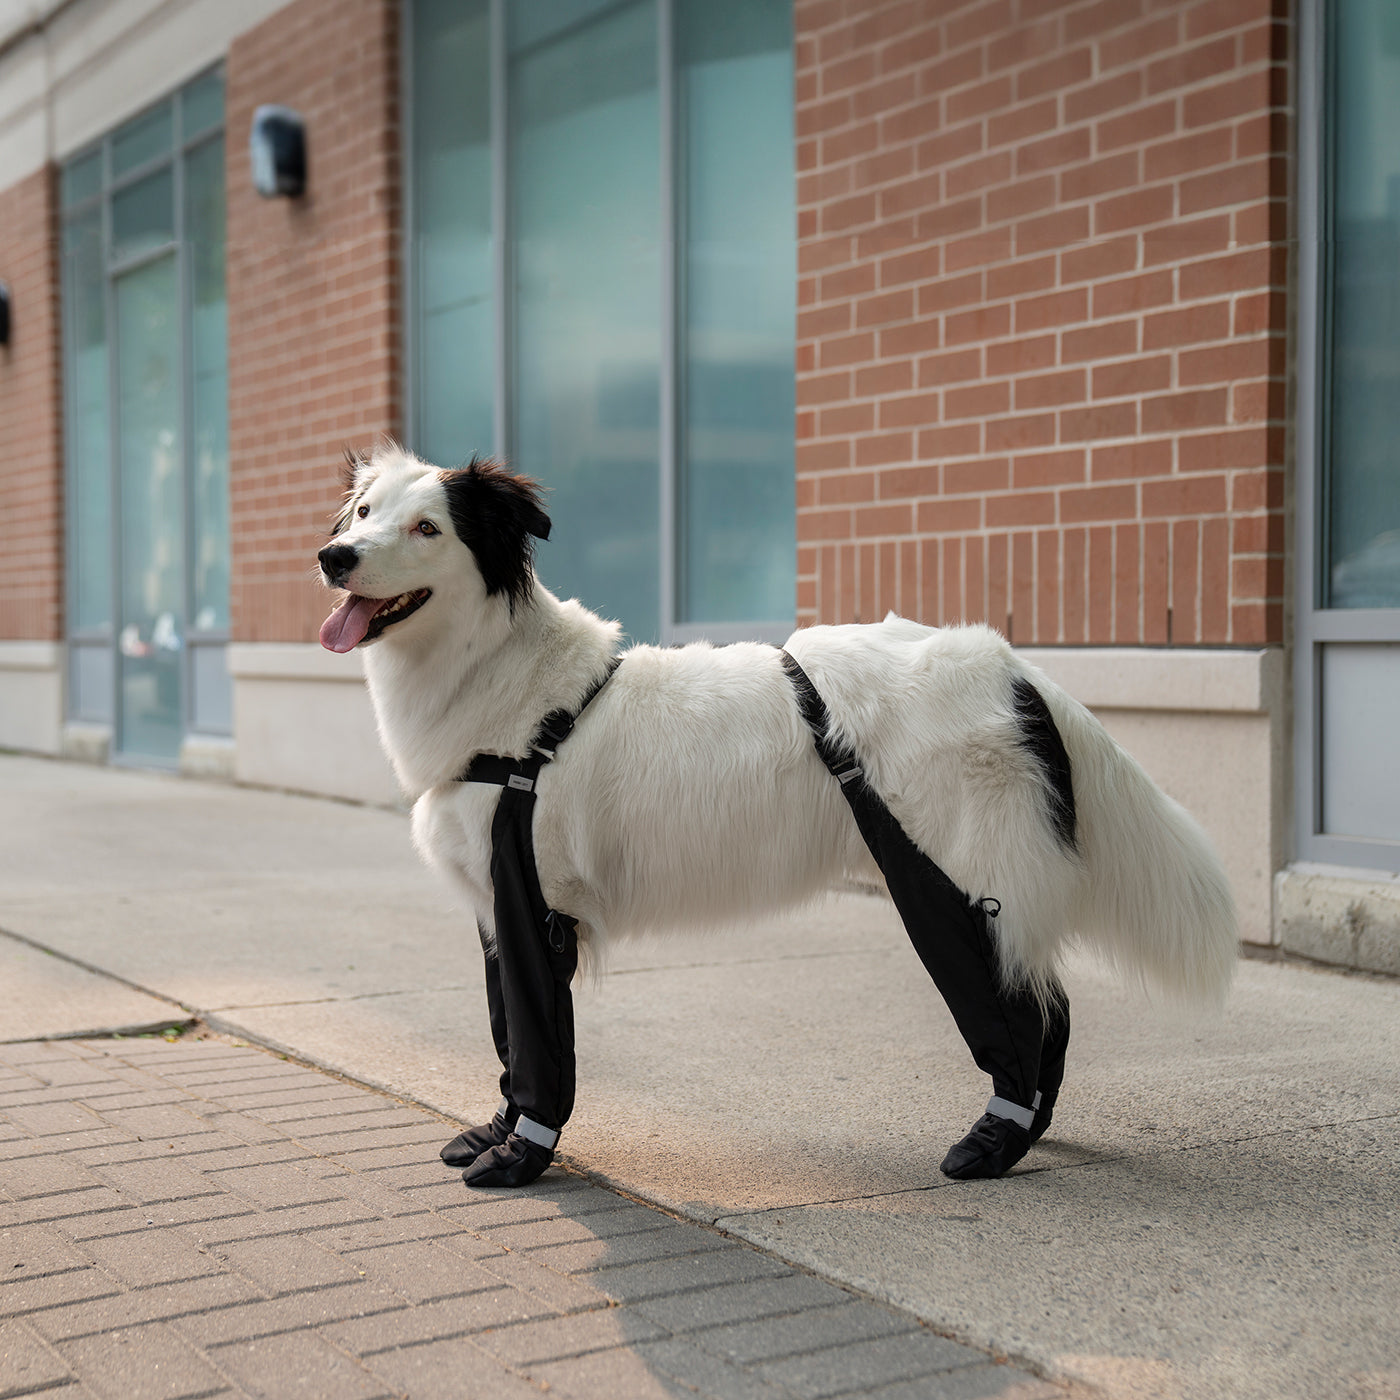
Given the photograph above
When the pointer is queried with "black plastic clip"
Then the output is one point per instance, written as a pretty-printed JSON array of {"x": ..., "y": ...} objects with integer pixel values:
[
  {"x": 554, "y": 729},
  {"x": 557, "y": 929}
]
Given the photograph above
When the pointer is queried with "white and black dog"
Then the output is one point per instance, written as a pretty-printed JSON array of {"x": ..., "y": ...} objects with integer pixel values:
[{"x": 692, "y": 792}]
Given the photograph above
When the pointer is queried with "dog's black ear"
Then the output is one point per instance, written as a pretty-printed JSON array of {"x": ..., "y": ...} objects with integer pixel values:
[{"x": 495, "y": 514}]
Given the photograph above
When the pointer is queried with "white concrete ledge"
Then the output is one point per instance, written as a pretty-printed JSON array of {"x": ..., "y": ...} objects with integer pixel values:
[
  {"x": 292, "y": 661},
  {"x": 31, "y": 695},
  {"x": 1165, "y": 678},
  {"x": 1338, "y": 915},
  {"x": 31, "y": 656}
]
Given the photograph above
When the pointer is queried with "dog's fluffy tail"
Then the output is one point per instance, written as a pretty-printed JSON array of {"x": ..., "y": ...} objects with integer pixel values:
[{"x": 1155, "y": 899}]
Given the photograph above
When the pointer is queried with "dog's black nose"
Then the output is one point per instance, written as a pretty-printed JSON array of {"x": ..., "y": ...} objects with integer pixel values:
[{"x": 338, "y": 563}]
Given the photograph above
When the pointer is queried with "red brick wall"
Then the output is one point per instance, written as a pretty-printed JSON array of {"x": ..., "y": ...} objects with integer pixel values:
[
  {"x": 313, "y": 297},
  {"x": 31, "y": 417},
  {"x": 1042, "y": 315}
]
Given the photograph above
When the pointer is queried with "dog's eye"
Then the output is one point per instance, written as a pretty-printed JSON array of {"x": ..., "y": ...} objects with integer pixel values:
[
  {"x": 426, "y": 527},
  {"x": 362, "y": 512}
]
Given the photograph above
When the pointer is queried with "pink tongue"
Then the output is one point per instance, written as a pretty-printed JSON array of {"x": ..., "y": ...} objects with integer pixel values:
[{"x": 345, "y": 628}]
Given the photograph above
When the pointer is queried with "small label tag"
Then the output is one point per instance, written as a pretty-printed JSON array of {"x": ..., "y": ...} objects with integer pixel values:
[
  {"x": 520, "y": 784},
  {"x": 849, "y": 776}
]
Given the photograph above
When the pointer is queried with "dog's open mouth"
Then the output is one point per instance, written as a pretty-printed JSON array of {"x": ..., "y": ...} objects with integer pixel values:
[{"x": 359, "y": 619}]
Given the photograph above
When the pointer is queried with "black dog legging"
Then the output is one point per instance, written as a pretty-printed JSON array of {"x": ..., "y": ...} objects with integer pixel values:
[{"x": 1021, "y": 1048}]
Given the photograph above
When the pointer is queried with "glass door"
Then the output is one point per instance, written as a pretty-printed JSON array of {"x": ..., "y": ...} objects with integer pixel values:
[
  {"x": 146, "y": 428},
  {"x": 151, "y": 622}
]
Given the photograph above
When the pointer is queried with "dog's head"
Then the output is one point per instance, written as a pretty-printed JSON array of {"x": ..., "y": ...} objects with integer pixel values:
[{"x": 410, "y": 533}]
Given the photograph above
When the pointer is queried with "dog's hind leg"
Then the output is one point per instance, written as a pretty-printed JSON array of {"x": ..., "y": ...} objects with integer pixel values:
[
  {"x": 1013, "y": 1037},
  {"x": 1016, "y": 1036}
]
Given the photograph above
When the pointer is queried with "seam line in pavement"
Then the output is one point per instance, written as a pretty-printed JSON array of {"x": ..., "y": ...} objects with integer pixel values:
[
  {"x": 332, "y": 1001},
  {"x": 96, "y": 971}
]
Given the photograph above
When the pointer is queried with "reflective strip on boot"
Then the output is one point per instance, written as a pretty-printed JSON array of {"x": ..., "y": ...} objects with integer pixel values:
[
  {"x": 1012, "y": 1112},
  {"x": 536, "y": 1132}
]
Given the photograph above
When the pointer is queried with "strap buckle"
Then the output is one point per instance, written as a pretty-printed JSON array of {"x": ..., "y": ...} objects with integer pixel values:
[{"x": 554, "y": 729}]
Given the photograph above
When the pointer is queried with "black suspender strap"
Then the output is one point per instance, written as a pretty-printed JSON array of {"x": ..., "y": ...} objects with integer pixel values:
[
  {"x": 950, "y": 932},
  {"x": 844, "y": 766},
  {"x": 520, "y": 773}
]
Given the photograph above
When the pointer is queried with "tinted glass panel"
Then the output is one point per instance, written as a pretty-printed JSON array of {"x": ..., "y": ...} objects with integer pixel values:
[
  {"x": 202, "y": 104},
  {"x": 1363, "y": 514},
  {"x": 86, "y": 429},
  {"x": 737, "y": 556},
  {"x": 151, "y": 625},
  {"x": 585, "y": 162},
  {"x": 82, "y": 178},
  {"x": 455, "y": 321},
  {"x": 1359, "y": 685},
  {"x": 141, "y": 140},
  {"x": 143, "y": 216},
  {"x": 208, "y": 349}
]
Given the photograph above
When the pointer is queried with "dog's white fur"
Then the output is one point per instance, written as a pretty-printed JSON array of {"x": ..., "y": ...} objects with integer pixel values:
[{"x": 690, "y": 793}]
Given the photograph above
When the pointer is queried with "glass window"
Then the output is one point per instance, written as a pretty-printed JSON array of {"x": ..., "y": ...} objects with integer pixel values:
[
  {"x": 208, "y": 370},
  {"x": 455, "y": 316},
  {"x": 144, "y": 139},
  {"x": 599, "y": 325},
  {"x": 585, "y": 216},
  {"x": 738, "y": 549},
  {"x": 1363, "y": 476},
  {"x": 151, "y": 536},
  {"x": 143, "y": 216},
  {"x": 86, "y": 435},
  {"x": 82, "y": 178},
  {"x": 146, "y": 427},
  {"x": 202, "y": 105}
]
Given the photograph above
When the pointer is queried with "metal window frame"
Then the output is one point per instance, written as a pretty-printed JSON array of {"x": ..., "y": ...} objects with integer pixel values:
[
  {"x": 1314, "y": 625},
  {"x": 670, "y": 456},
  {"x": 108, "y": 635}
]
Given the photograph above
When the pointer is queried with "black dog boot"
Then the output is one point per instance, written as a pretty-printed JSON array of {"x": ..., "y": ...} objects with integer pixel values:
[
  {"x": 518, "y": 1160},
  {"x": 514, "y": 1162},
  {"x": 469, "y": 1144},
  {"x": 991, "y": 1149}
]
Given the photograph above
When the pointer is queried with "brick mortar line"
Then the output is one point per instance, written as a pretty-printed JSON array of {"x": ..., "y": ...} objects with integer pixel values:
[
  {"x": 1180, "y": 47},
  {"x": 1260, "y": 68},
  {"x": 1074, "y": 166}
]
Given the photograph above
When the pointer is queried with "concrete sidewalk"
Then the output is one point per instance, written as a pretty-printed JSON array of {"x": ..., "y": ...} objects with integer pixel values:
[{"x": 1214, "y": 1212}]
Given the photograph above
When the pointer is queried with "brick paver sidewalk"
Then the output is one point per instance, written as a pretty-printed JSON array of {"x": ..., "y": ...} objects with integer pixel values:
[{"x": 201, "y": 1218}]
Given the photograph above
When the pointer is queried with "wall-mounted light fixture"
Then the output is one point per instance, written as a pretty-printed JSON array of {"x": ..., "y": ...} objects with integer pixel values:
[
  {"x": 277, "y": 145},
  {"x": 4, "y": 313}
]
